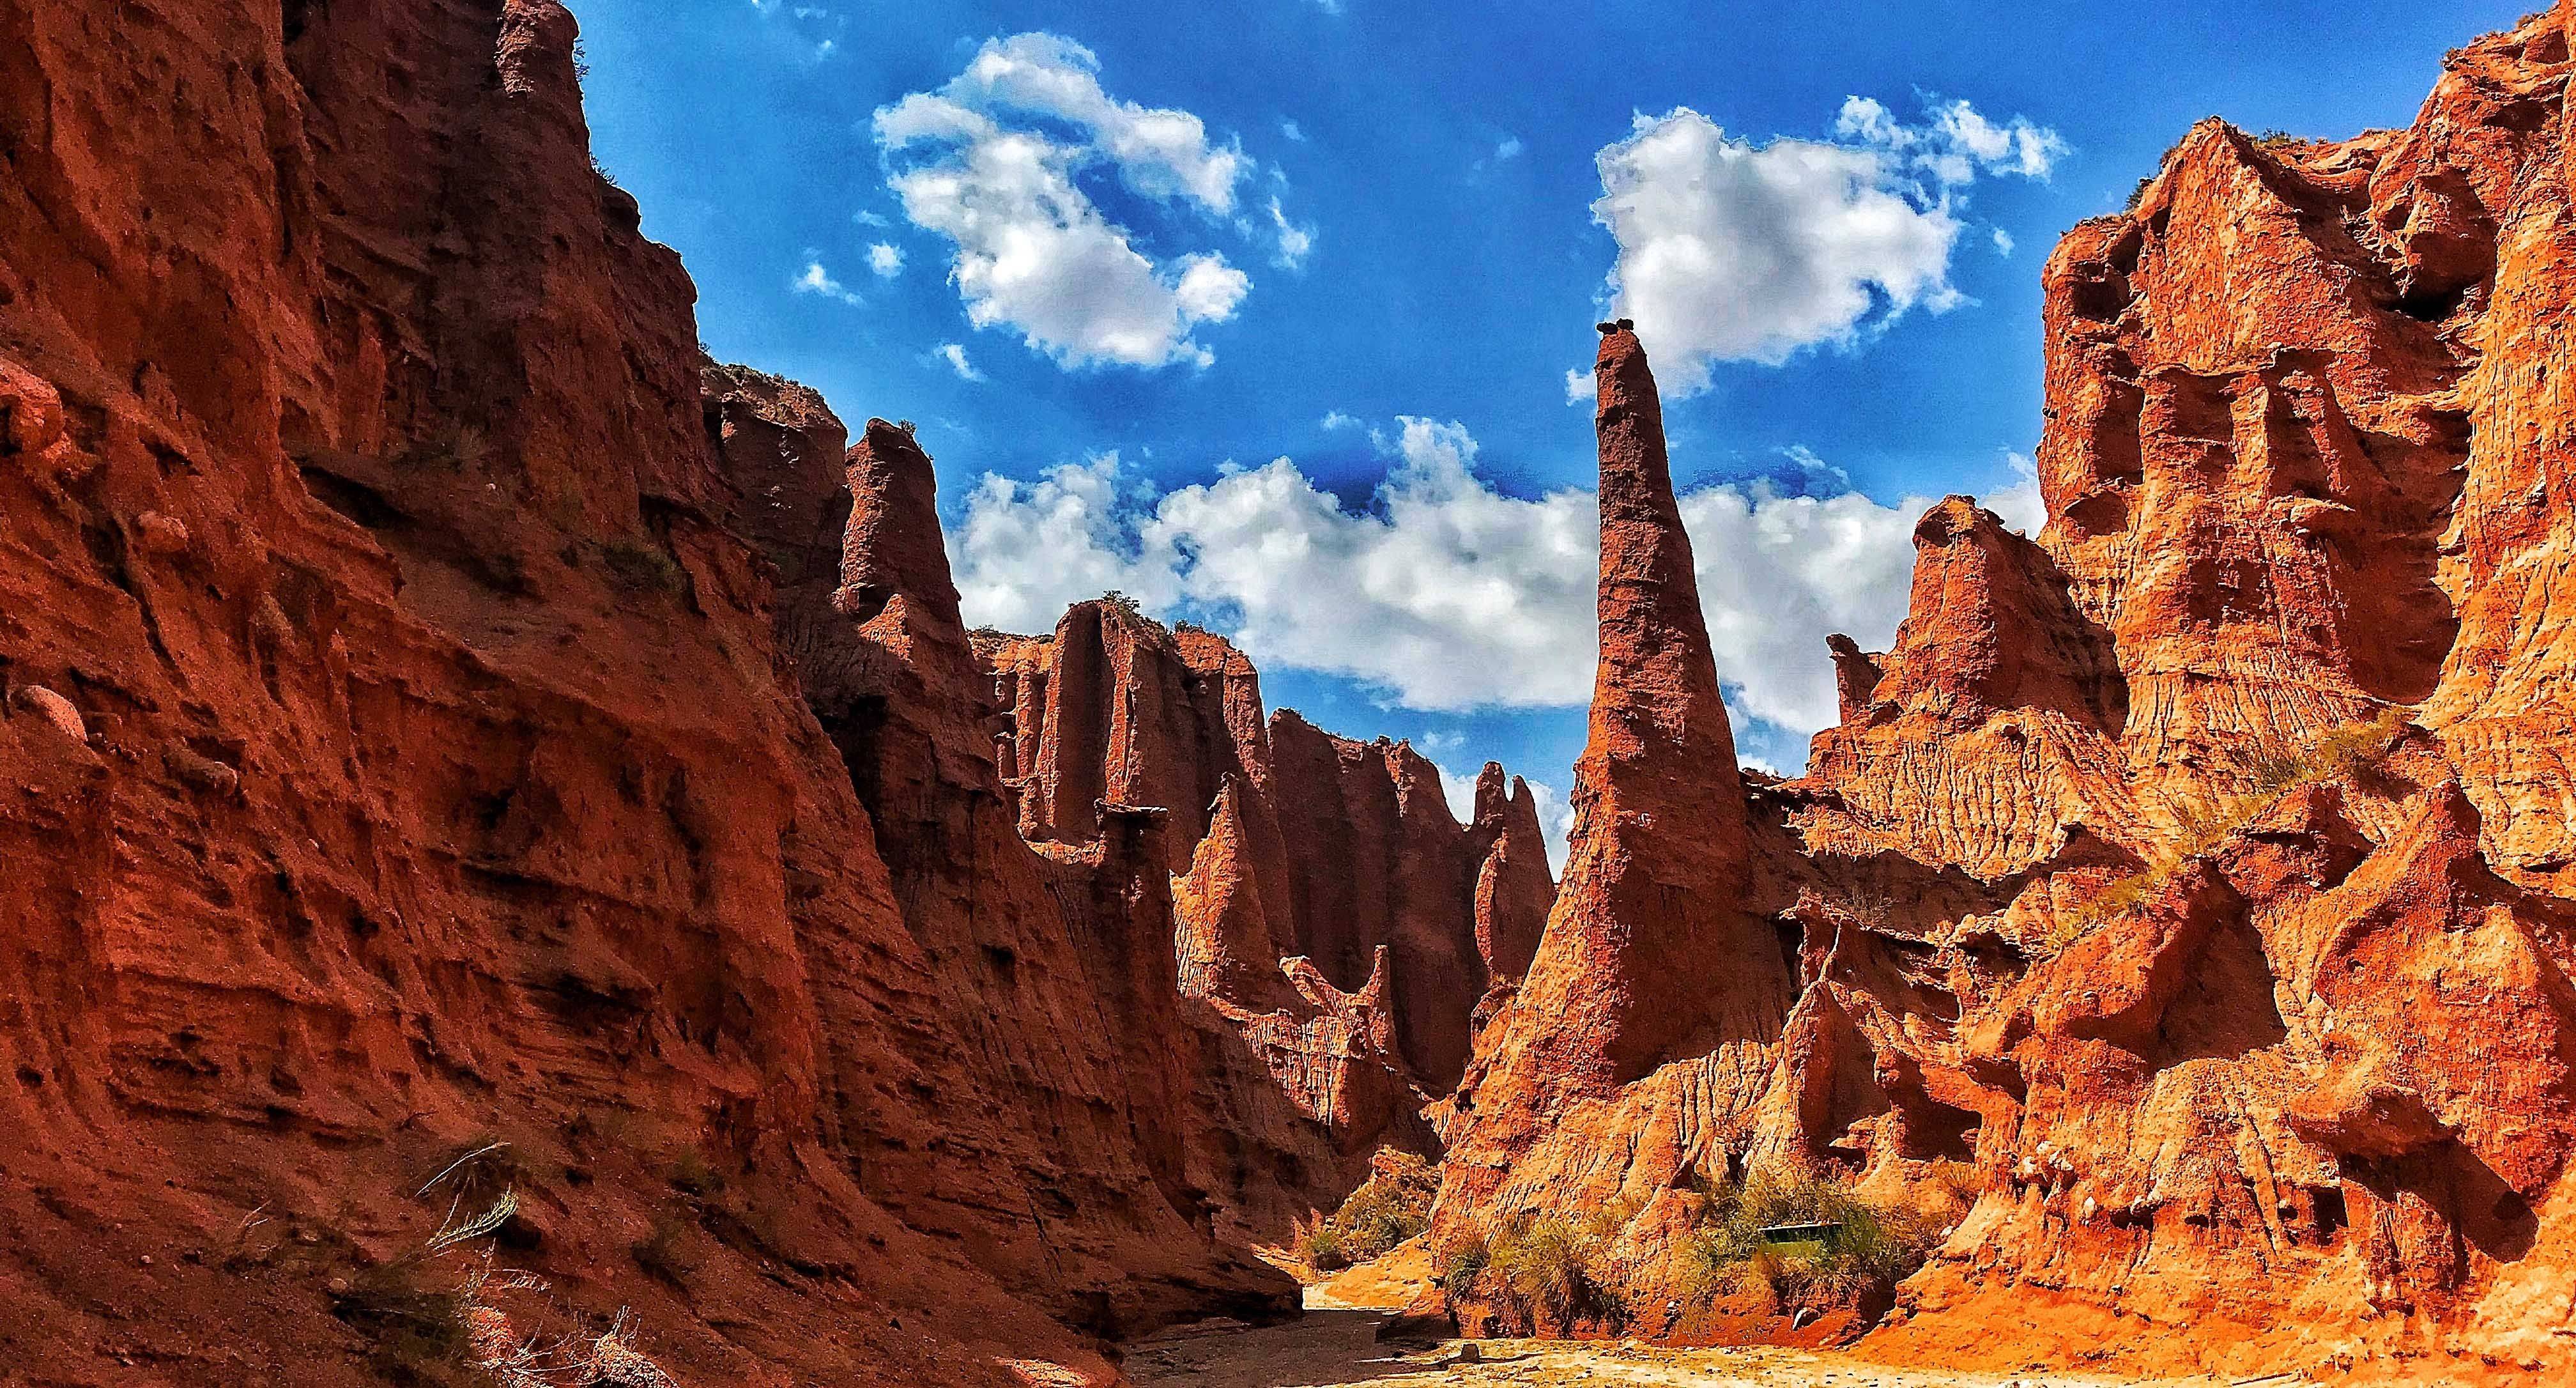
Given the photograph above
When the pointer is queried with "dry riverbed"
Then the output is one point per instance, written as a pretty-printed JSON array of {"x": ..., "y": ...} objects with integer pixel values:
[{"x": 1338, "y": 1343}]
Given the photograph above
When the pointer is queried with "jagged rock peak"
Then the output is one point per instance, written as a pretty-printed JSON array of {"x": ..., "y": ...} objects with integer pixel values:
[{"x": 894, "y": 545}]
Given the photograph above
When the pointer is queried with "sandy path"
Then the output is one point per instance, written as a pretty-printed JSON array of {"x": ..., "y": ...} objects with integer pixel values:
[{"x": 1336, "y": 1343}]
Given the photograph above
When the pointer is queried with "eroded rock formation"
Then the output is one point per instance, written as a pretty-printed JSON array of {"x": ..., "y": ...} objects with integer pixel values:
[
  {"x": 450, "y": 755},
  {"x": 2190, "y": 876},
  {"x": 1332, "y": 914}
]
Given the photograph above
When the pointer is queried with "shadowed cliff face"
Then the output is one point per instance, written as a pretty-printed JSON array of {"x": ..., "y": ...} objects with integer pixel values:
[{"x": 431, "y": 732}]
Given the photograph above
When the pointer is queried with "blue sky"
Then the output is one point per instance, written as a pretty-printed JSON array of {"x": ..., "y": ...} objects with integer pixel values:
[{"x": 1118, "y": 260}]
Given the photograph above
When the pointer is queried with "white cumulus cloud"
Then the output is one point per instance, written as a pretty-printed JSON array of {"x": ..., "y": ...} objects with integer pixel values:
[
  {"x": 992, "y": 161},
  {"x": 1731, "y": 250},
  {"x": 1444, "y": 594},
  {"x": 818, "y": 281},
  {"x": 885, "y": 259}
]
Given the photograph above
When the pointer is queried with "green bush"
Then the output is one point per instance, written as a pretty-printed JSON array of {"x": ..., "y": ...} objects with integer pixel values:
[
  {"x": 1542, "y": 1263},
  {"x": 1878, "y": 1246},
  {"x": 1457, "y": 1266},
  {"x": 643, "y": 568},
  {"x": 669, "y": 1251},
  {"x": 1392, "y": 1205},
  {"x": 1321, "y": 1247}
]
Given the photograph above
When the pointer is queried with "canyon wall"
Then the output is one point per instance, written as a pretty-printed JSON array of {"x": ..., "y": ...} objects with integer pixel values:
[
  {"x": 1333, "y": 915},
  {"x": 2179, "y": 910},
  {"x": 475, "y": 765}
]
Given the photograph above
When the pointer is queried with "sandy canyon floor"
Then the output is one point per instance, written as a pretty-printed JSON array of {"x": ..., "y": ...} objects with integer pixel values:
[{"x": 1339, "y": 1342}]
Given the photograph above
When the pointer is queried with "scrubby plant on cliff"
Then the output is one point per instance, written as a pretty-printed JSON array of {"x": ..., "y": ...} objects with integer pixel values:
[
  {"x": 1875, "y": 1247},
  {"x": 2203, "y": 824},
  {"x": 1392, "y": 1205}
]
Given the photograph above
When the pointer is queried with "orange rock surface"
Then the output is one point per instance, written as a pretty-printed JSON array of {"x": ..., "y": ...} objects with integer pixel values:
[
  {"x": 478, "y": 780},
  {"x": 2191, "y": 876},
  {"x": 450, "y": 748}
]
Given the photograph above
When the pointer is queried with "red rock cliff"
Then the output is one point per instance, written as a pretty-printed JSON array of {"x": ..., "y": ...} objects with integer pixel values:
[
  {"x": 417, "y": 794},
  {"x": 2192, "y": 874},
  {"x": 1344, "y": 847}
]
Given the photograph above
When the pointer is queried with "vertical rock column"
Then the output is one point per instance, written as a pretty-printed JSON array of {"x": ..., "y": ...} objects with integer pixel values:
[
  {"x": 1623, "y": 972},
  {"x": 1648, "y": 955}
]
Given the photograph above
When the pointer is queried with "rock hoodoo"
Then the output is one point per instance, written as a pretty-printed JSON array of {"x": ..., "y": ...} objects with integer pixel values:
[{"x": 1651, "y": 982}]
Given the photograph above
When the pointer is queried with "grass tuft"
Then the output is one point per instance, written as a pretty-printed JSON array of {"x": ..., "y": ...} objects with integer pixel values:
[
  {"x": 1878, "y": 1246},
  {"x": 2202, "y": 825},
  {"x": 1393, "y": 1205},
  {"x": 1539, "y": 1264}
]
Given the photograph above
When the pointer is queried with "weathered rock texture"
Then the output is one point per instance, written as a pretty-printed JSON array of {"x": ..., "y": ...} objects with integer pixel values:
[
  {"x": 433, "y": 726},
  {"x": 1333, "y": 916},
  {"x": 2197, "y": 872}
]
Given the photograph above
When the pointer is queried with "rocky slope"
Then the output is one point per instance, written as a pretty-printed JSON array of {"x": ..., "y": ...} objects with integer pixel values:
[
  {"x": 481, "y": 779},
  {"x": 2194, "y": 872}
]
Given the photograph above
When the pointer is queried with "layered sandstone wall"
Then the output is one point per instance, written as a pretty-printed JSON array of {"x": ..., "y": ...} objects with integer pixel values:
[
  {"x": 2192, "y": 873},
  {"x": 1332, "y": 850},
  {"x": 436, "y": 729}
]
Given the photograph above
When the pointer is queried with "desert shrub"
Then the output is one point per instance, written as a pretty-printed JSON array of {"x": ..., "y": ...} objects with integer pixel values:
[
  {"x": 415, "y": 1331},
  {"x": 1959, "y": 1179},
  {"x": 643, "y": 568},
  {"x": 2203, "y": 824},
  {"x": 1321, "y": 1246},
  {"x": 1457, "y": 1265},
  {"x": 1878, "y": 1246},
  {"x": 1392, "y": 1205},
  {"x": 477, "y": 1172},
  {"x": 1544, "y": 1264},
  {"x": 669, "y": 1250},
  {"x": 692, "y": 1174}
]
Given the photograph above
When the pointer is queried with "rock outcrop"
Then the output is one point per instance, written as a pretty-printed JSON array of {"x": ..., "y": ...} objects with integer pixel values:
[
  {"x": 1332, "y": 914},
  {"x": 2179, "y": 908},
  {"x": 456, "y": 765}
]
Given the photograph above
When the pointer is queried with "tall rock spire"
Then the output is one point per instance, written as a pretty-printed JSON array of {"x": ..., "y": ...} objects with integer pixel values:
[
  {"x": 1649, "y": 955},
  {"x": 1658, "y": 855},
  {"x": 1513, "y": 888},
  {"x": 1660, "y": 740}
]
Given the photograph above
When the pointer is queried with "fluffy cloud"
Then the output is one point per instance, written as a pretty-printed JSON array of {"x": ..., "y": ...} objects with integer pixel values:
[
  {"x": 1736, "y": 251},
  {"x": 1444, "y": 594},
  {"x": 955, "y": 356},
  {"x": 1027, "y": 552},
  {"x": 885, "y": 259},
  {"x": 818, "y": 281},
  {"x": 1956, "y": 143},
  {"x": 991, "y": 162}
]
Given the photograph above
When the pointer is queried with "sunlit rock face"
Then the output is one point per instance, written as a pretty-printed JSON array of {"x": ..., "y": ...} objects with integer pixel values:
[{"x": 2179, "y": 908}]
